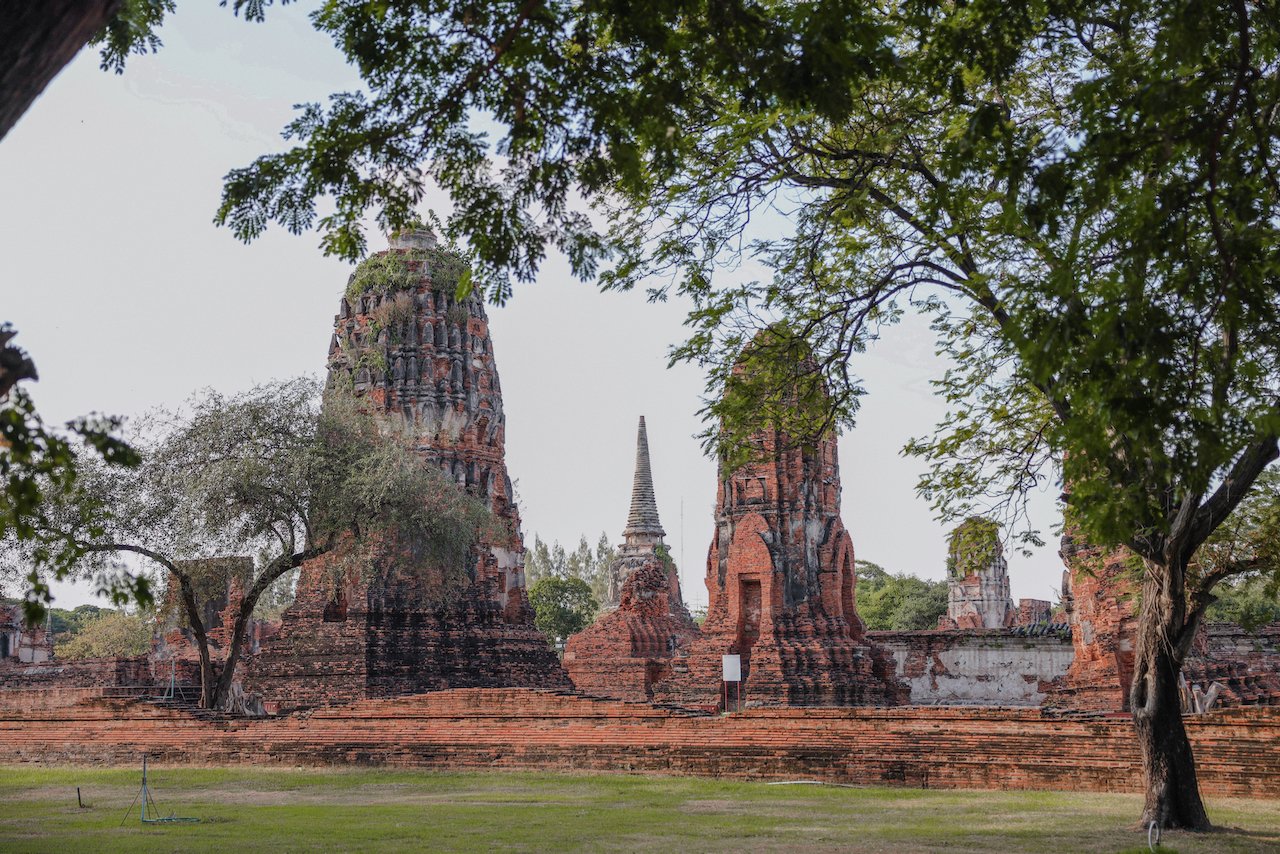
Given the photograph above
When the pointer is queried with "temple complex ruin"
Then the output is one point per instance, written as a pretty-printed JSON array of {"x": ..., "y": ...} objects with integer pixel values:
[
  {"x": 423, "y": 362},
  {"x": 366, "y": 668},
  {"x": 630, "y": 647}
]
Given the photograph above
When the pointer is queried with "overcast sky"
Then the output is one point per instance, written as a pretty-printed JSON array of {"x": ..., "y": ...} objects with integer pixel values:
[{"x": 128, "y": 298}]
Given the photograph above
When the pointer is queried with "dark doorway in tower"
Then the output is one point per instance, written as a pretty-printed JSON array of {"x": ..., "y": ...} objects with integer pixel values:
[
  {"x": 335, "y": 611},
  {"x": 748, "y": 621},
  {"x": 846, "y": 594}
]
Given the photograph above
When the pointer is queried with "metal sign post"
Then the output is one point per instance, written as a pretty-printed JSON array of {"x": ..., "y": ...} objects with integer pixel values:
[{"x": 731, "y": 671}]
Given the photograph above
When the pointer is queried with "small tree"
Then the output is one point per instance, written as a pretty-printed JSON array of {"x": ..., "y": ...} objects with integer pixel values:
[
  {"x": 274, "y": 474},
  {"x": 898, "y": 602},
  {"x": 109, "y": 634},
  {"x": 563, "y": 605},
  {"x": 591, "y": 565}
]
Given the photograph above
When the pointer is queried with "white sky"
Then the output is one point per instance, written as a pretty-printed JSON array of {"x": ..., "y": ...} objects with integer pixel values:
[{"x": 127, "y": 297}]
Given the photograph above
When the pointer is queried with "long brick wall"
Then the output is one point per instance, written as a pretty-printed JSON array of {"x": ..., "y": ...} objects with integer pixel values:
[{"x": 1238, "y": 750}]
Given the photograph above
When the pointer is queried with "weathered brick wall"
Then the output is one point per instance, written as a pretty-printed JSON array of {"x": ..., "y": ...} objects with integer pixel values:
[
  {"x": 992, "y": 667},
  {"x": 1245, "y": 664},
  {"x": 1237, "y": 751},
  {"x": 80, "y": 673},
  {"x": 367, "y": 648}
]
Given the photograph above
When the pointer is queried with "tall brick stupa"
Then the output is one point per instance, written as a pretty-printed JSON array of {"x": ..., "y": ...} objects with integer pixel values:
[
  {"x": 780, "y": 581},
  {"x": 424, "y": 363},
  {"x": 645, "y": 623}
]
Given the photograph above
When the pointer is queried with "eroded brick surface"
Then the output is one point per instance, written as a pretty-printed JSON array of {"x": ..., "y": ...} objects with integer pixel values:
[
  {"x": 630, "y": 648},
  {"x": 1098, "y": 591}
]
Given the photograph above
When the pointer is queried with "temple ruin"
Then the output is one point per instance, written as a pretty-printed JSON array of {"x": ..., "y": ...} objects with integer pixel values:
[
  {"x": 978, "y": 582},
  {"x": 630, "y": 646},
  {"x": 1226, "y": 666},
  {"x": 365, "y": 669},
  {"x": 780, "y": 581},
  {"x": 424, "y": 363},
  {"x": 19, "y": 642}
]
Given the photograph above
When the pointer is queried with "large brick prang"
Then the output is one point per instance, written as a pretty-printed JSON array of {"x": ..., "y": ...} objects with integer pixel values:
[{"x": 422, "y": 361}]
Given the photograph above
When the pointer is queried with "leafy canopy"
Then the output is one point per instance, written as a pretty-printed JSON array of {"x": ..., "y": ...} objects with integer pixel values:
[
  {"x": 585, "y": 562},
  {"x": 109, "y": 634},
  {"x": 519, "y": 108},
  {"x": 38, "y": 467},
  {"x": 898, "y": 601},
  {"x": 562, "y": 605}
]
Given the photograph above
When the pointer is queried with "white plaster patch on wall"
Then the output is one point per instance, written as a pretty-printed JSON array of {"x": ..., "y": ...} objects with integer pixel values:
[{"x": 979, "y": 670}]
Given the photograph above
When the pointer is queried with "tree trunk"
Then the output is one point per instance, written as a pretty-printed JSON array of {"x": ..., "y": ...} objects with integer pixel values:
[
  {"x": 202, "y": 639},
  {"x": 223, "y": 689},
  {"x": 1173, "y": 793},
  {"x": 39, "y": 38},
  {"x": 244, "y": 613}
]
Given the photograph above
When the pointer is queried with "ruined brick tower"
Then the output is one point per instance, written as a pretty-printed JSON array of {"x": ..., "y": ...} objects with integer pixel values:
[
  {"x": 643, "y": 536},
  {"x": 977, "y": 579},
  {"x": 645, "y": 622},
  {"x": 424, "y": 362},
  {"x": 1097, "y": 592},
  {"x": 780, "y": 581}
]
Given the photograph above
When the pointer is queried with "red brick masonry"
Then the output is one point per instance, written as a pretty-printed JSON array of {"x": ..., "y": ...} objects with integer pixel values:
[{"x": 1237, "y": 750}]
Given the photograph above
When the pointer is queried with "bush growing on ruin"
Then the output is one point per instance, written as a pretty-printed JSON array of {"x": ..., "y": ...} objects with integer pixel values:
[
  {"x": 389, "y": 273},
  {"x": 972, "y": 547},
  {"x": 109, "y": 634}
]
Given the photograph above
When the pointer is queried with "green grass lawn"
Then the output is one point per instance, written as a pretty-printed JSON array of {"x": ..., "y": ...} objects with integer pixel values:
[{"x": 252, "y": 809}]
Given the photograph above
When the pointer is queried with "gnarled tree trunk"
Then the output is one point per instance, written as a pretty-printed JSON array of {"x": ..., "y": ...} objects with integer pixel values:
[
  {"x": 202, "y": 637},
  {"x": 221, "y": 697},
  {"x": 1164, "y": 636}
]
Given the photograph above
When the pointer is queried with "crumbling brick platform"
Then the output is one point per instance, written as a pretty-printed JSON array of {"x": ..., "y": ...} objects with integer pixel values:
[{"x": 1237, "y": 750}]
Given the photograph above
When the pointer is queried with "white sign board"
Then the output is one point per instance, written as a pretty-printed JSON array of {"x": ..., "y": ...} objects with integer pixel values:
[{"x": 732, "y": 666}]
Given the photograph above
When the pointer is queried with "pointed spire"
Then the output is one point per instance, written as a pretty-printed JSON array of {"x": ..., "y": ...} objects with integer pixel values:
[{"x": 643, "y": 527}]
